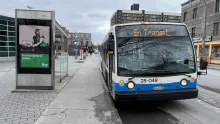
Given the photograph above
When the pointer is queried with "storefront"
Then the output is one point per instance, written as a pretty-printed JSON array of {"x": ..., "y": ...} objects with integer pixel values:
[{"x": 212, "y": 50}]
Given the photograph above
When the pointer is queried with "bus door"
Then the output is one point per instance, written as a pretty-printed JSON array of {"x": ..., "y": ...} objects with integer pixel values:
[{"x": 110, "y": 52}]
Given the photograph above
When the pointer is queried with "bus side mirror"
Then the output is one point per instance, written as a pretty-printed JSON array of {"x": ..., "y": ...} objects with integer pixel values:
[
  {"x": 110, "y": 45},
  {"x": 203, "y": 63},
  {"x": 203, "y": 66}
]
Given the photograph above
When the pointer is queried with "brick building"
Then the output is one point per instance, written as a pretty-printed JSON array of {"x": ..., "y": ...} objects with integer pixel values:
[{"x": 193, "y": 14}]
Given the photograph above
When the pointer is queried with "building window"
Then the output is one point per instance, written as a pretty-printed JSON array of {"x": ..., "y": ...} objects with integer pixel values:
[
  {"x": 193, "y": 32},
  {"x": 3, "y": 54},
  {"x": 11, "y": 53},
  {"x": 3, "y": 32},
  {"x": 217, "y": 6},
  {"x": 3, "y": 43},
  {"x": 3, "y": 48},
  {"x": 11, "y": 38},
  {"x": 11, "y": 28},
  {"x": 216, "y": 29},
  {"x": 11, "y": 33},
  {"x": 3, "y": 38},
  {"x": 2, "y": 27},
  {"x": 11, "y": 44},
  {"x": 11, "y": 48},
  {"x": 3, "y": 22},
  {"x": 194, "y": 13},
  {"x": 11, "y": 23},
  {"x": 184, "y": 16}
]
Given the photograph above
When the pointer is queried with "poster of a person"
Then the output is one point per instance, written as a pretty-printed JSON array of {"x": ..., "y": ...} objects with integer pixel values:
[
  {"x": 34, "y": 38},
  {"x": 38, "y": 38}
]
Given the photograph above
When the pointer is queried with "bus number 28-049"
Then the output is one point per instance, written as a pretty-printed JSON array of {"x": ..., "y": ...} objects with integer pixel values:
[{"x": 150, "y": 80}]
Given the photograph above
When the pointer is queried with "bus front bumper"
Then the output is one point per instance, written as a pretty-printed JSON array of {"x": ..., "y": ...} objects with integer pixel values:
[{"x": 157, "y": 95}]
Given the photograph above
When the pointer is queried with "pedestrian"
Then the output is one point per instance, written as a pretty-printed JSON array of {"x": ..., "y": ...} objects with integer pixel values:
[{"x": 90, "y": 51}]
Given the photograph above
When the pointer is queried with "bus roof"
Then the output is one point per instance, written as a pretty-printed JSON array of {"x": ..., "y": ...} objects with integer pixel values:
[{"x": 136, "y": 23}]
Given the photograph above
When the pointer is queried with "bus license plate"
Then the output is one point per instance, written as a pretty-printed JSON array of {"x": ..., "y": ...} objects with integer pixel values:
[{"x": 150, "y": 80}]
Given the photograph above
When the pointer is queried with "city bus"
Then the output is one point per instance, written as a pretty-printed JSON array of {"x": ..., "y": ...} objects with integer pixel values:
[{"x": 150, "y": 61}]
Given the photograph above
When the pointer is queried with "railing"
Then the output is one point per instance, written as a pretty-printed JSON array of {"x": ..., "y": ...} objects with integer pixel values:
[{"x": 61, "y": 65}]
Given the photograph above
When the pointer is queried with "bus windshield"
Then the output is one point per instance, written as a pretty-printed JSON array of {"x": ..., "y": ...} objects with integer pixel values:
[{"x": 144, "y": 50}]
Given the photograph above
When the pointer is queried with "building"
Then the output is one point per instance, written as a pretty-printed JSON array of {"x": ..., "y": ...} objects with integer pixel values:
[
  {"x": 79, "y": 40},
  {"x": 7, "y": 37},
  {"x": 70, "y": 38},
  {"x": 193, "y": 14},
  {"x": 135, "y": 15},
  {"x": 82, "y": 38}
]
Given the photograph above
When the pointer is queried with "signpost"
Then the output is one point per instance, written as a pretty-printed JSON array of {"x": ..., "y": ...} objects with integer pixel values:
[
  {"x": 35, "y": 32},
  {"x": 76, "y": 36}
]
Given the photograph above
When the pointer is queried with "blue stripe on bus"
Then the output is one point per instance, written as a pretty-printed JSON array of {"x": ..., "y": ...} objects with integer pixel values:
[{"x": 150, "y": 87}]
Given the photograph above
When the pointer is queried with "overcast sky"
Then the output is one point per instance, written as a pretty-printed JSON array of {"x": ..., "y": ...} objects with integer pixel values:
[{"x": 92, "y": 16}]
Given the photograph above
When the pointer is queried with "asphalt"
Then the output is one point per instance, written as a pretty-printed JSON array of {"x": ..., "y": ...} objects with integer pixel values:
[
  {"x": 214, "y": 66},
  {"x": 203, "y": 110}
]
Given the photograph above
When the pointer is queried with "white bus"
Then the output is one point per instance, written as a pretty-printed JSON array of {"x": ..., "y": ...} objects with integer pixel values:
[{"x": 150, "y": 61}]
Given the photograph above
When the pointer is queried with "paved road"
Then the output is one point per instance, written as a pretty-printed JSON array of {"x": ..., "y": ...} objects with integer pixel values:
[
  {"x": 211, "y": 81},
  {"x": 203, "y": 110}
]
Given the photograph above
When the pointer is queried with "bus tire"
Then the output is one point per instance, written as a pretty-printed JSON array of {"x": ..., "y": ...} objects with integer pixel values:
[{"x": 101, "y": 66}]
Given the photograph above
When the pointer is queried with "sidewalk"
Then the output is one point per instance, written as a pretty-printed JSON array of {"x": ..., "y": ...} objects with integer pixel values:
[
  {"x": 26, "y": 107},
  {"x": 83, "y": 100}
]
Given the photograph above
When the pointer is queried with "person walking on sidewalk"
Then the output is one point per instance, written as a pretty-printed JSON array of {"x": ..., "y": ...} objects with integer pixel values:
[{"x": 90, "y": 50}]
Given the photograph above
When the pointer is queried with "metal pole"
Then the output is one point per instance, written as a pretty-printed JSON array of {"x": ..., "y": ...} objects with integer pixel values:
[
  {"x": 76, "y": 49},
  {"x": 204, "y": 32}
]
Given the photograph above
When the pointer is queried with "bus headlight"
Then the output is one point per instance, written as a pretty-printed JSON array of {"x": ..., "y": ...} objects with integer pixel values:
[
  {"x": 184, "y": 82},
  {"x": 131, "y": 84}
]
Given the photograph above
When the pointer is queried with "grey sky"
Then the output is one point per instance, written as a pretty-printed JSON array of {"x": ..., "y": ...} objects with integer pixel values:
[{"x": 88, "y": 15}]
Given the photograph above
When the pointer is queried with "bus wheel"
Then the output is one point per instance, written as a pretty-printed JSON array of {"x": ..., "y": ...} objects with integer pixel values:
[{"x": 101, "y": 67}]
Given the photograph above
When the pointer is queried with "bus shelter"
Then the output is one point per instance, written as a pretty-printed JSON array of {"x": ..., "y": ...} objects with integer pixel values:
[
  {"x": 41, "y": 50},
  {"x": 61, "y": 53}
]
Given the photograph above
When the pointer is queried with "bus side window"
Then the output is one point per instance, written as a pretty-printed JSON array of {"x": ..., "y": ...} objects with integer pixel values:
[
  {"x": 113, "y": 70},
  {"x": 113, "y": 63},
  {"x": 105, "y": 53}
]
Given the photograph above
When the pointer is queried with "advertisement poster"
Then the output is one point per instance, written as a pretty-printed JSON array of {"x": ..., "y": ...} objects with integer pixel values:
[{"x": 34, "y": 43}]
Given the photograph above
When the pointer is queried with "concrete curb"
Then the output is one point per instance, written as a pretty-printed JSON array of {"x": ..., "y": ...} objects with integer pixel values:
[{"x": 117, "y": 116}]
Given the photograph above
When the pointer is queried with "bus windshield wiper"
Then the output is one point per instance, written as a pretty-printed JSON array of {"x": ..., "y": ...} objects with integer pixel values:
[
  {"x": 131, "y": 78},
  {"x": 124, "y": 41}
]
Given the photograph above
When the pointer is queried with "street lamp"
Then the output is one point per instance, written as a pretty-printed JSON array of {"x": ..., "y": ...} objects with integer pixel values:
[{"x": 204, "y": 31}]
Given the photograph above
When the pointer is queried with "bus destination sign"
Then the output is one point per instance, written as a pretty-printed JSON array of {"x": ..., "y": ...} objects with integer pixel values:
[{"x": 151, "y": 30}]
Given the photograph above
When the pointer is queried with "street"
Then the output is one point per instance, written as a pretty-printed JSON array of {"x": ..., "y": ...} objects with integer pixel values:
[
  {"x": 210, "y": 81},
  {"x": 203, "y": 110}
]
